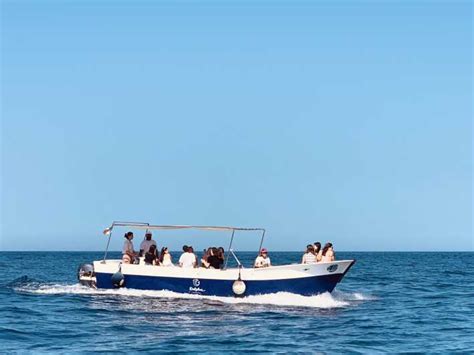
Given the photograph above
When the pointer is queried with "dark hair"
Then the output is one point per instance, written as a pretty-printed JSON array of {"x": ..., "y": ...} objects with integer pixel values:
[
  {"x": 148, "y": 235},
  {"x": 309, "y": 248},
  {"x": 220, "y": 253},
  {"x": 317, "y": 247},
  {"x": 128, "y": 235},
  {"x": 185, "y": 248},
  {"x": 162, "y": 254},
  {"x": 206, "y": 253},
  {"x": 190, "y": 249},
  {"x": 152, "y": 248},
  {"x": 326, "y": 248}
]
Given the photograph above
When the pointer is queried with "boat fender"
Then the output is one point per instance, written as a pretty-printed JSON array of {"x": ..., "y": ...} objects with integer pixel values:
[
  {"x": 118, "y": 280},
  {"x": 239, "y": 288}
]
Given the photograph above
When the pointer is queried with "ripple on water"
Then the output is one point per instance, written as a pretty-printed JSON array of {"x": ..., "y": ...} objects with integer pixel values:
[{"x": 389, "y": 302}]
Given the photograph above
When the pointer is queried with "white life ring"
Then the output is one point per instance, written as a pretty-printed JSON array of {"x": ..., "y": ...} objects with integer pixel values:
[{"x": 239, "y": 287}]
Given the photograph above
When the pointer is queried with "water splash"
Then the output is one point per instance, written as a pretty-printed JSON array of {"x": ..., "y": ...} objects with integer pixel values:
[{"x": 323, "y": 301}]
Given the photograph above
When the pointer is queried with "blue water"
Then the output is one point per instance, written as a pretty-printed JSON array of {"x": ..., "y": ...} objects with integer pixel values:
[{"x": 389, "y": 302}]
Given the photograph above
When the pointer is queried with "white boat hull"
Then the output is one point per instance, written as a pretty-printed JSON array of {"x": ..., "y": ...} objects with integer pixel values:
[{"x": 304, "y": 279}]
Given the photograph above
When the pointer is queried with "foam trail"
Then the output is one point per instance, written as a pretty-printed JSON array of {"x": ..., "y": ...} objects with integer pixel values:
[
  {"x": 323, "y": 301},
  {"x": 356, "y": 296}
]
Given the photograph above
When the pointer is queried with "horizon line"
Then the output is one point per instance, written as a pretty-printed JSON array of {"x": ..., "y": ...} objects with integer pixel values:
[{"x": 250, "y": 251}]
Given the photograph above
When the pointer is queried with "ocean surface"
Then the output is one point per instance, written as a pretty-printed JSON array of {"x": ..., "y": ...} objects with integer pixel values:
[{"x": 388, "y": 302}]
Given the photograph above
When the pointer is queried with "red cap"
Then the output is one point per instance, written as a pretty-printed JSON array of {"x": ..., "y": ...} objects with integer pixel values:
[{"x": 263, "y": 250}]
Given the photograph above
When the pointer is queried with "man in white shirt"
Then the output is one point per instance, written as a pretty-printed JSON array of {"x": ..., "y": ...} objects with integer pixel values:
[
  {"x": 187, "y": 259},
  {"x": 263, "y": 260},
  {"x": 147, "y": 243}
]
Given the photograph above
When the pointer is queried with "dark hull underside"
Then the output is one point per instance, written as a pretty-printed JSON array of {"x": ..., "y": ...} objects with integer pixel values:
[{"x": 306, "y": 286}]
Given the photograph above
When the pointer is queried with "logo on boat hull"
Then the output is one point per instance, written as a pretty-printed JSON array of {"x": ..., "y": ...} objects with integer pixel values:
[
  {"x": 196, "y": 287},
  {"x": 332, "y": 268}
]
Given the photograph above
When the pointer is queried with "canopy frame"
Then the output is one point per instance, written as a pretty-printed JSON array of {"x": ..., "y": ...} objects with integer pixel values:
[{"x": 148, "y": 226}]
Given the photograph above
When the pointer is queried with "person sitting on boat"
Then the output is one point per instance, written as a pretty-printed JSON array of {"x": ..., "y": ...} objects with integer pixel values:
[
  {"x": 165, "y": 257},
  {"x": 328, "y": 253},
  {"x": 191, "y": 250},
  {"x": 214, "y": 261},
  {"x": 187, "y": 259},
  {"x": 150, "y": 256},
  {"x": 147, "y": 243},
  {"x": 318, "y": 251},
  {"x": 263, "y": 260},
  {"x": 128, "y": 252},
  {"x": 221, "y": 254},
  {"x": 205, "y": 256},
  {"x": 309, "y": 257}
]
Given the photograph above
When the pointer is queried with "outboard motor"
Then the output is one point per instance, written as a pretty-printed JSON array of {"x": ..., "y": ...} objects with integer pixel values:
[{"x": 86, "y": 275}]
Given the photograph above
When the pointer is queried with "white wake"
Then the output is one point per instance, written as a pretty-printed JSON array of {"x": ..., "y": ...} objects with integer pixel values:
[{"x": 324, "y": 301}]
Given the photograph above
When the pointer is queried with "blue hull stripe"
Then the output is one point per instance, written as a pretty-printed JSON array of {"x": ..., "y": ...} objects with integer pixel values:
[{"x": 304, "y": 286}]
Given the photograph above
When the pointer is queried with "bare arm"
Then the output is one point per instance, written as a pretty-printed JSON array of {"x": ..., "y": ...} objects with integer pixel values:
[{"x": 331, "y": 255}]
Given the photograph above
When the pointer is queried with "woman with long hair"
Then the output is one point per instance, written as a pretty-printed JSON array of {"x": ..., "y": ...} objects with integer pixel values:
[
  {"x": 165, "y": 257},
  {"x": 309, "y": 257},
  {"x": 214, "y": 261},
  {"x": 150, "y": 255},
  {"x": 328, "y": 253},
  {"x": 318, "y": 251},
  {"x": 220, "y": 254},
  {"x": 206, "y": 254},
  {"x": 128, "y": 252}
]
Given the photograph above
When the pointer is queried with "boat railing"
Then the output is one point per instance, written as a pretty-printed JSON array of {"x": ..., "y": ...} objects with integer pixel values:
[{"x": 239, "y": 264}]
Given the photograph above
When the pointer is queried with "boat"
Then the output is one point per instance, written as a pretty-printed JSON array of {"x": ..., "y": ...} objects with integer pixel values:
[{"x": 239, "y": 281}]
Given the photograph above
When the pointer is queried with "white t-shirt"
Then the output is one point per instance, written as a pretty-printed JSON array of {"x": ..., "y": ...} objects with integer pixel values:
[
  {"x": 260, "y": 261},
  {"x": 167, "y": 260},
  {"x": 309, "y": 258},
  {"x": 146, "y": 244},
  {"x": 187, "y": 260},
  {"x": 127, "y": 247}
]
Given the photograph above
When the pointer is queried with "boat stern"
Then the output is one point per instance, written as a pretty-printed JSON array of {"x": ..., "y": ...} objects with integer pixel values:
[{"x": 86, "y": 275}]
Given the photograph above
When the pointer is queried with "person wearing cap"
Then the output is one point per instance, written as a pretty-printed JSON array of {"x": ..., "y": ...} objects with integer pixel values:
[
  {"x": 147, "y": 243},
  {"x": 262, "y": 260}
]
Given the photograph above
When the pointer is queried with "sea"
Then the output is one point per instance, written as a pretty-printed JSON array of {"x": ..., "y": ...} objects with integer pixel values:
[{"x": 388, "y": 302}]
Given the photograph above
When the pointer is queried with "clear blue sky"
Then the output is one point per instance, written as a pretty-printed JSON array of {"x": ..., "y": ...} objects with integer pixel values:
[{"x": 341, "y": 121}]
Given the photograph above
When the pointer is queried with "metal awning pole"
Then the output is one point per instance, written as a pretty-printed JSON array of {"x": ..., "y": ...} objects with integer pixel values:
[
  {"x": 107, "y": 247},
  {"x": 236, "y": 258},
  {"x": 228, "y": 250},
  {"x": 261, "y": 242}
]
